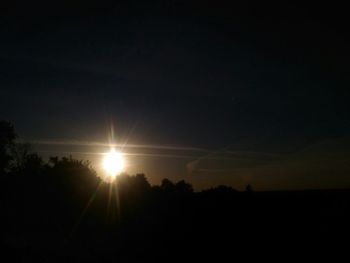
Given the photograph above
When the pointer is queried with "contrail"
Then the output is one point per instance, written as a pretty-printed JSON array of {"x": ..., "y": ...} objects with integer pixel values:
[
  {"x": 198, "y": 153},
  {"x": 175, "y": 156},
  {"x": 101, "y": 144}
]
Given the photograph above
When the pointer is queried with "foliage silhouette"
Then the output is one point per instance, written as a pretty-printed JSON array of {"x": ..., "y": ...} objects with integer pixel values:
[
  {"x": 130, "y": 219},
  {"x": 183, "y": 187},
  {"x": 167, "y": 185},
  {"x": 7, "y": 138}
]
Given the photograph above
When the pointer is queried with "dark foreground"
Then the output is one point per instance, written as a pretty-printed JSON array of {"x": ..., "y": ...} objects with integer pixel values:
[{"x": 53, "y": 223}]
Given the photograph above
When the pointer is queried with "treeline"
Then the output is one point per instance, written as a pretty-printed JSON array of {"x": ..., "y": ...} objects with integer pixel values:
[
  {"x": 60, "y": 206},
  {"x": 16, "y": 159},
  {"x": 66, "y": 194},
  {"x": 60, "y": 210}
]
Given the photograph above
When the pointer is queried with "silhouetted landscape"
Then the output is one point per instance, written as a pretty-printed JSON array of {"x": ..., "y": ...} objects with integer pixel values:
[
  {"x": 174, "y": 131},
  {"x": 61, "y": 210}
]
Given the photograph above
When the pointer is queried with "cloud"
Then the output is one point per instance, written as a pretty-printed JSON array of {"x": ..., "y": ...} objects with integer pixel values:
[{"x": 118, "y": 145}]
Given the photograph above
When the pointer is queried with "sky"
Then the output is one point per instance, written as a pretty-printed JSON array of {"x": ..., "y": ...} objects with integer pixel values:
[{"x": 207, "y": 91}]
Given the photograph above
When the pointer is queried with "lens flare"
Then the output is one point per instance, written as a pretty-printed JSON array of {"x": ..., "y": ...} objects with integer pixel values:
[{"x": 114, "y": 163}]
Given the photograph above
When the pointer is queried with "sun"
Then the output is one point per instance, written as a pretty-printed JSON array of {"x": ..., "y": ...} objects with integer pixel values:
[{"x": 114, "y": 163}]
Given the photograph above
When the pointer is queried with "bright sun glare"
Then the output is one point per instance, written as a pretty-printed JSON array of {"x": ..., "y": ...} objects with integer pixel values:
[{"x": 114, "y": 163}]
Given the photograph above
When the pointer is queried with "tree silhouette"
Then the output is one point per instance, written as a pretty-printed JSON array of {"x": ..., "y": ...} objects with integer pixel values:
[
  {"x": 65, "y": 193},
  {"x": 72, "y": 171},
  {"x": 167, "y": 185},
  {"x": 141, "y": 183},
  {"x": 183, "y": 187},
  {"x": 24, "y": 161},
  {"x": 7, "y": 139}
]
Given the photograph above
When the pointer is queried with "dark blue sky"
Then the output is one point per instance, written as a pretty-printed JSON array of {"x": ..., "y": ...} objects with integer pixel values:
[{"x": 251, "y": 85}]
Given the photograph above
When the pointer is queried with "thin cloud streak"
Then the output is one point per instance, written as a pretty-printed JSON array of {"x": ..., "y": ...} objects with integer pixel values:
[
  {"x": 119, "y": 145},
  {"x": 175, "y": 156}
]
